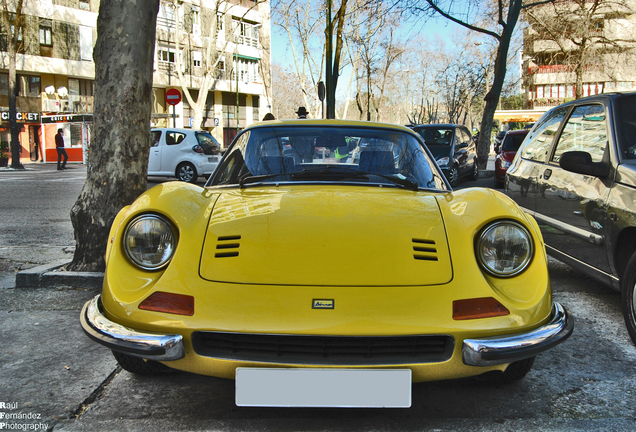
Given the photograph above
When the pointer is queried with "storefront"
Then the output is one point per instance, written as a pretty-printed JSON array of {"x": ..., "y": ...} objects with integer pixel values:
[
  {"x": 77, "y": 130},
  {"x": 29, "y": 134}
]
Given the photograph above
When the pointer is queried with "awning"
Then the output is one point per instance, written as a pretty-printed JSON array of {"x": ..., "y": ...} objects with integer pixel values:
[{"x": 520, "y": 116}]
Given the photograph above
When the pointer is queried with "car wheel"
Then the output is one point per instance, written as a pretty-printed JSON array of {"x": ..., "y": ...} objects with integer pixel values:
[
  {"x": 628, "y": 297},
  {"x": 475, "y": 174},
  {"x": 514, "y": 372},
  {"x": 186, "y": 172},
  {"x": 140, "y": 366},
  {"x": 453, "y": 176}
]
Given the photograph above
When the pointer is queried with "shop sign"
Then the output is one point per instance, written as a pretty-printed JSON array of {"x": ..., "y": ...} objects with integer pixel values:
[
  {"x": 21, "y": 117},
  {"x": 68, "y": 118}
]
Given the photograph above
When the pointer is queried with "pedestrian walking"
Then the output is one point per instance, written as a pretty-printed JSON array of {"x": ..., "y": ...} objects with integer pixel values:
[{"x": 61, "y": 151}]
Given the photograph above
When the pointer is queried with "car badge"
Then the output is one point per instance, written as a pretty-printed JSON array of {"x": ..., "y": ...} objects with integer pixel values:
[{"x": 322, "y": 304}]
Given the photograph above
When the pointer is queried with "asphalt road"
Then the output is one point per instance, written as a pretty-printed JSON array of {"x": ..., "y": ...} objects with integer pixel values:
[{"x": 54, "y": 378}]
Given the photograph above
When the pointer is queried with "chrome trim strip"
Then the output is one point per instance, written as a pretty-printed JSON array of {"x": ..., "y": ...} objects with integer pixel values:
[
  {"x": 152, "y": 346},
  {"x": 568, "y": 229},
  {"x": 510, "y": 348}
]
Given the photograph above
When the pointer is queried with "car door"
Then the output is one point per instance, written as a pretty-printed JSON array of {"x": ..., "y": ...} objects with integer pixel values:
[
  {"x": 571, "y": 208},
  {"x": 154, "y": 156},
  {"x": 523, "y": 176},
  {"x": 172, "y": 151},
  {"x": 460, "y": 150}
]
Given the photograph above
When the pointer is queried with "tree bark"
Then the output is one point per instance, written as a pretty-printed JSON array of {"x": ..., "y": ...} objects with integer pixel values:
[
  {"x": 492, "y": 98},
  {"x": 118, "y": 161}
]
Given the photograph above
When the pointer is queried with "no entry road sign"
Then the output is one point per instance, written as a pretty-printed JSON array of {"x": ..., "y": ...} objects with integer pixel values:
[{"x": 173, "y": 96}]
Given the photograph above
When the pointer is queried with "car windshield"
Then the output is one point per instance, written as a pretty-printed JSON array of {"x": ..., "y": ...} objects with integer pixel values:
[
  {"x": 208, "y": 143},
  {"x": 626, "y": 125},
  {"x": 513, "y": 141},
  {"x": 436, "y": 136},
  {"x": 328, "y": 154}
]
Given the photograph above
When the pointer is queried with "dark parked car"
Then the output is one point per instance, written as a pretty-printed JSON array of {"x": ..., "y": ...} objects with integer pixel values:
[
  {"x": 576, "y": 174},
  {"x": 507, "y": 151},
  {"x": 453, "y": 148}
]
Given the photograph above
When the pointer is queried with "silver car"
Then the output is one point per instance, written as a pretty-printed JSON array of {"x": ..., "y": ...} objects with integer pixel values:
[{"x": 185, "y": 154}]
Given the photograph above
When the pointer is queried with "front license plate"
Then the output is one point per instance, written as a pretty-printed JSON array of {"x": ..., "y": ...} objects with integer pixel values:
[
  {"x": 213, "y": 159},
  {"x": 364, "y": 388}
]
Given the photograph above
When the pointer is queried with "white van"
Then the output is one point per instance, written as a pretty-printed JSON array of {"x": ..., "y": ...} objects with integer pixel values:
[{"x": 182, "y": 153}]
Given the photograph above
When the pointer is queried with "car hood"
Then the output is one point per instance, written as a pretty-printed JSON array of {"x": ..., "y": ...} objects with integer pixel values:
[{"x": 326, "y": 236}]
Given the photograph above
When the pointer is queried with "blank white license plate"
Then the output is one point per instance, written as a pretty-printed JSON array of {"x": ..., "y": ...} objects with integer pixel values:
[{"x": 368, "y": 388}]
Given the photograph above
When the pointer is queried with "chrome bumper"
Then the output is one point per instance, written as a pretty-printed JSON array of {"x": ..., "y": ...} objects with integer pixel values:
[
  {"x": 152, "y": 346},
  {"x": 510, "y": 348}
]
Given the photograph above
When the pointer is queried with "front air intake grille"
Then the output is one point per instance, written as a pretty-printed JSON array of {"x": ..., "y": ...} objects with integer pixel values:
[
  {"x": 324, "y": 350},
  {"x": 227, "y": 246},
  {"x": 424, "y": 250}
]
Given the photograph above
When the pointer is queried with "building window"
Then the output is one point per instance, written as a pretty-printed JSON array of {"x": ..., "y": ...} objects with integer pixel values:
[
  {"x": 46, "y": 34},
  {"x": 29, "y": 86},
  {"x": 245, "y": 33},
  {"x": 196, "y": 20},
  {"x": 196, "y": 58},
  {"x": 85, "y": 5},
  {"x": 247, "y": 69},
  {"x": 165, "y": 55}
]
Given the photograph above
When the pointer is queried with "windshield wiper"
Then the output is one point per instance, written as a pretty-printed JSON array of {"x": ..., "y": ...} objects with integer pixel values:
[
  {"x": 249, "y": 178},
  {"x": 343, "y": 174}
]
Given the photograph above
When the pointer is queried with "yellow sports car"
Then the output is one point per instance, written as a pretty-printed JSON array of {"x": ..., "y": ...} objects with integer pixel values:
[{"x": 326, "y": 263}]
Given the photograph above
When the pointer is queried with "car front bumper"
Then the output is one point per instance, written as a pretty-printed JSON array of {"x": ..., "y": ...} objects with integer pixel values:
[
  {"x": 518, "y": 346},
  {"x": 152, "y": 346},
  {"x": 475, "y": 352}
]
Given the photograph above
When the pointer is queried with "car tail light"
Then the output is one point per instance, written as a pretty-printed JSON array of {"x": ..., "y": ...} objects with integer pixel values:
[
  {"x": 197, "y": 149},
  {"x": 476, "y": 308},
  {"x": 177, "y": 304}
]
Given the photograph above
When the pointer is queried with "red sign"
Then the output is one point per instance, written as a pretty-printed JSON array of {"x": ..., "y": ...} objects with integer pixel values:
[{"x": 173, "y": 96}]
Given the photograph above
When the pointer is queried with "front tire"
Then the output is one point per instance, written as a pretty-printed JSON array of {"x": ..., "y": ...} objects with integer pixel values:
[
  {"x": 140, "y": 366},
  {"x": 628, "y": 297},
  {"x": 186, "y": 172},
  {"x": 514, "y": 372},
  {"x": 453, "y": 176}
]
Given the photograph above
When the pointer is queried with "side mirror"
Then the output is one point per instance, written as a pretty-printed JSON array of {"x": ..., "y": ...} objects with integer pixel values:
[{"x": 581, "y": 163}]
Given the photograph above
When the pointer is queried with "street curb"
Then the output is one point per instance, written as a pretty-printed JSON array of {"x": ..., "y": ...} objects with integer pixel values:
[{"x": 45, "y": 276}]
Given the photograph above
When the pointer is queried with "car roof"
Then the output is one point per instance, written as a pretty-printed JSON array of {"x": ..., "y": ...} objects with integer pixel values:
[
  {"x": 436, "y": 125},
  {"x": 177, "y": 129},
  {"x": 319, "y": 122}
]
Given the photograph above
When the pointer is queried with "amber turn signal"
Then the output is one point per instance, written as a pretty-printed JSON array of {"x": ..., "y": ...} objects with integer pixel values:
[
  {"x": 485, "y": 307},
  {"x": 177, "y": 304}
]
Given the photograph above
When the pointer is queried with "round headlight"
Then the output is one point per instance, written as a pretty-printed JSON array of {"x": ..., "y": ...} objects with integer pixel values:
[
  {"x": 149, "y": 241},
  {"x": 504, "y": 248}
]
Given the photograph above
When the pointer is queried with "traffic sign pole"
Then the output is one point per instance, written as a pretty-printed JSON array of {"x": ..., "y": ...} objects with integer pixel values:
[{"x": 173, "y": 97}]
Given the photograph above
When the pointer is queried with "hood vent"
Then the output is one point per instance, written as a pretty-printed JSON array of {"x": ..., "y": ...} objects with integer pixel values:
[
  {"x": 425, "y": 250},
  {"x": 227, "y": 246}
]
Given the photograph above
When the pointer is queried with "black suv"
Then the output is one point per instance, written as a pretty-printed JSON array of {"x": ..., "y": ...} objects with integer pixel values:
[{"x": 576, "y": 174}]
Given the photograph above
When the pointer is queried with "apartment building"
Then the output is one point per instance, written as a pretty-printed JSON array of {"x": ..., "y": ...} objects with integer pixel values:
[
  {"x": 552, "y": 52},
  {"x": 56, "y": 71}
]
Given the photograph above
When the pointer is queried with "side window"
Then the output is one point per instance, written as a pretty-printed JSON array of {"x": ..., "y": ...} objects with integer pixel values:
[
  {"x": 173, "y": 138},
  {"x": 155, "y": 136},
  {"x": 585, "y": 131},
  {"x": 540, "y": 139}
]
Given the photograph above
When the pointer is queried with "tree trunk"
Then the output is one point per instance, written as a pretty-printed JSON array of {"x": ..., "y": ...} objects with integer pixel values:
[
  {"x": 13, "y": 110},
  {"x": 118, "y": 161},
  {"x": 492, "y": 98}
]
